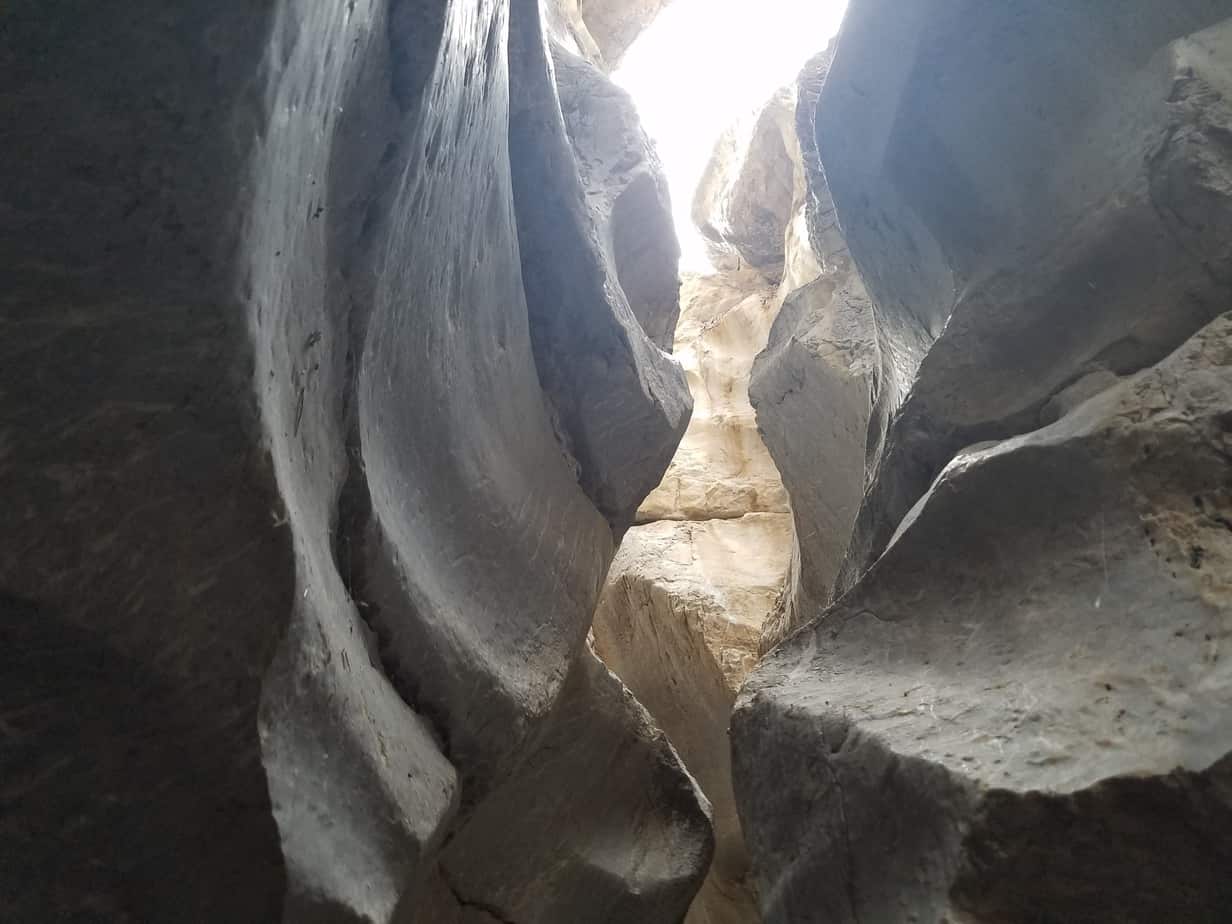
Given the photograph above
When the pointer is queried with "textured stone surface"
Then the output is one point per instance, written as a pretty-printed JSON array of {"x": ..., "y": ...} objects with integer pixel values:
[
  {"x": 721, "y": 468},
  {"x": 600, "y": 822},
  {"x": 294, "y": 497},
  {"x": 679, "y": 622},
  {"x": 1021, "y": 712},
  {"x": 815, "y": 384},
  {"x": 615, "y": 24},
  {"x": 745, "y": 198},
  {"x": 1081, "y": 228}
]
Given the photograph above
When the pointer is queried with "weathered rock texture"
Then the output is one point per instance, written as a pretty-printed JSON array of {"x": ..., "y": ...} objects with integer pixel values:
[
  {"x": 747, "y": 193},
  {"x": 814, "y": 386},
  {"x": 1016, "y": 710},
  {"x": 1084, "y": 229},
  {"x": 315, "y": 465},
  {"x": 1021, "y": 713}
]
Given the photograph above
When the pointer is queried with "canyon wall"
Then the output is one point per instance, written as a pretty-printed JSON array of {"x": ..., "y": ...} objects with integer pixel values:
[
  {"x": 331, "y": 376},
  {"x": 695, "y": 581},
  {"x": 1015, "y": 706}
]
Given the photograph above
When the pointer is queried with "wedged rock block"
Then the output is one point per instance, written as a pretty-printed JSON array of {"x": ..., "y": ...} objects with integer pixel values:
[
  {"x": 813, "y": 390},
  {"x": 679, "y": 622},
  {"x": 600, "y": 822},
  {"x": 1023, "y": 711},
  {"x": 1011, "y": 248},
  {"x": 278, "y": 453}
]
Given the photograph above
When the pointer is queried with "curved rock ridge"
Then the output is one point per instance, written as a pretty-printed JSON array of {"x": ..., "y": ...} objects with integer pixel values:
[
  {"x": 300, "y": 474},
  {"x": 1082, "y": 230},
  {"x": 1022, "y": 711}
]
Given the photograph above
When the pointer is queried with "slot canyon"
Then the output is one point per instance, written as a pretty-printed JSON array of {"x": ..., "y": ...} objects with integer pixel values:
[{"x": 433, "y": 496}]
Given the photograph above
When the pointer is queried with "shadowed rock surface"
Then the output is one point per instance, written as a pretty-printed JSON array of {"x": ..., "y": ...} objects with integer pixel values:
[
  {"x": 293, "y": 498},
  {"x": 815, "y": 385},
  {"x": 1016, "y": 708},
  {"x": 1082, "y": 228},
  {"x": 1021, "y": 713}
]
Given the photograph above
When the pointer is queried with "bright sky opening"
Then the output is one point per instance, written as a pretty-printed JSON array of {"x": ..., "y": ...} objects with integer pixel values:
[{"x": 701, "y": 65}]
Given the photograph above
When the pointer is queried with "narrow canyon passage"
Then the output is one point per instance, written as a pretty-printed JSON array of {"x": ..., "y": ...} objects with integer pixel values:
[{"x": 616, "y": 462}]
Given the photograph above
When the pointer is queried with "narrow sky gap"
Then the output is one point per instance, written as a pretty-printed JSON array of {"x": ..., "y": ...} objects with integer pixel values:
[{"x": 701, "y": 65}]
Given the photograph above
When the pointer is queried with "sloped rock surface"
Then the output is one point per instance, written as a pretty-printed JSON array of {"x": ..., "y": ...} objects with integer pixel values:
[
  {"x": 615, "y": 24},
  {"x": 283, "y": 456},
  {"x": 1081, "y": 230},
  {"x": 600, "y": 822},
  {"x": 1021, "y": 712}
]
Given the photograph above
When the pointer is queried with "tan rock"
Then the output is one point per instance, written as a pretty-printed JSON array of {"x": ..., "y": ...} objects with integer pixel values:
[{"x": 680, "y": 621}]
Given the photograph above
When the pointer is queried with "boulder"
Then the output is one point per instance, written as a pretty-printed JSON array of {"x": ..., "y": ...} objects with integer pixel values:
[
  {"x": 1011, "y": 249},
  {"x": 815, "y": 385},
  {"x": 1021, "y": 712},
  {"x": 679, "y": 622},
  {"x": 600, "y": 822}
]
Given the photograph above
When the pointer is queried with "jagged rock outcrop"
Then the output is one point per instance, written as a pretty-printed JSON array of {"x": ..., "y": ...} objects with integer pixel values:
[
  {"x": 1083, "y": 230},
  {"x": 1022, "y": 711},
  {"x": 815, "y": 385},
  {"x": 1015, "y": 710},
  {"x": 295, "y": 460},
  {"x": 746, "y": 195},
  {"x": 602, "y": 775}
]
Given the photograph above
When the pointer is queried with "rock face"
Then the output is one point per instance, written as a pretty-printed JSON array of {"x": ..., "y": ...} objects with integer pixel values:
[
  {"x": 307, "y": 496},
  {"x": 1083, "y": 231},
  {"x": 747, "y": 193},
  {"x": 1039, "y": 727},
  {"x": 815, "y": 385},
  {"x": 1016, "y": 707}
]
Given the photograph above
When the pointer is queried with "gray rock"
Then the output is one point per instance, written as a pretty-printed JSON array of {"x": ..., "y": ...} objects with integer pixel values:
[
  {"x": 1010, "y": 248},
  {"x": 590, "y": 196},
  {"x": 746, "y": 196},
  {"x": 600, "y": 823},
  {"x": 815, "y": 388},
  {"x": 291, "y": 499},
  {"x": 1021, "y": 712}
]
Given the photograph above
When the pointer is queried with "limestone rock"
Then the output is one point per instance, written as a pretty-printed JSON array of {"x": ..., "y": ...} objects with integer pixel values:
[
  {"x": 616, "y": 23},
  {"x": 1081, "y": 228},
  {"x": 679, "y": 622},
  {"x": 1021, "y": 712},
  {"x": 601, "y": 822},
  {"x": 813, "y": 388},
  {"x": 815, "y": 384},
  {"x": 721, "y": 467}
]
